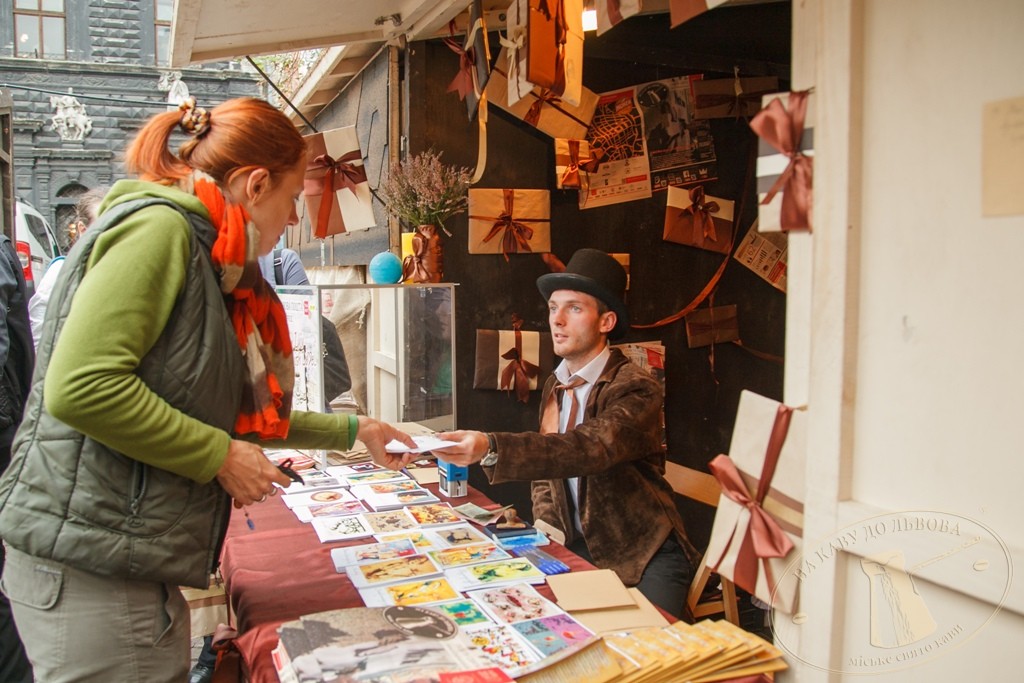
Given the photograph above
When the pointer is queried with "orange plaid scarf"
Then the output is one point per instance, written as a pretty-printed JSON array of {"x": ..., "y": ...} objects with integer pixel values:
[{"x": 256, "y": 314}]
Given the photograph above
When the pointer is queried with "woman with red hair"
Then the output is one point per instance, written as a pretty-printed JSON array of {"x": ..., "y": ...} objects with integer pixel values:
[{"x": 164, "y": 366}]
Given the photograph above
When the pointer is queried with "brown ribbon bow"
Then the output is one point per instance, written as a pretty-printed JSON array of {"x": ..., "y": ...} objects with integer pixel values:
[
  {"x": 519, "y": 371},
  {"x": 545, "y": 97},
  {"x": 571, "y": 174},
  {"x": 764, "y": 538},
  {"x": 703, "y": 222},
  {"x": 516, "y": 235},
  {"x": 784, "y": 130},
  {"x": 463, "y": 81},
  {"x": 337, "y": 174},
  {"x": 414, "y": 265}
]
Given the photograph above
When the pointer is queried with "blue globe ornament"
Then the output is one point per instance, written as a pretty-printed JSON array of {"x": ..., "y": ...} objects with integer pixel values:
[{"x": 385, "y": 268}]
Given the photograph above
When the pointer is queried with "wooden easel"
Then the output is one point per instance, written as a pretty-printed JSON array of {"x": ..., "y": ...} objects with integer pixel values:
[{"x": 704, "y": 488}]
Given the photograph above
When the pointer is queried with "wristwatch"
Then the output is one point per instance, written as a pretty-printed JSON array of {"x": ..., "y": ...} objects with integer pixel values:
[{"x": 491, "y": 458}]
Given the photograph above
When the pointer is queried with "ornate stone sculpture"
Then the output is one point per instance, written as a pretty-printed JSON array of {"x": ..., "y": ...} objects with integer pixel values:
[
  {"x": 70, "y": 120},
  {"x": 171, "y": 83}
]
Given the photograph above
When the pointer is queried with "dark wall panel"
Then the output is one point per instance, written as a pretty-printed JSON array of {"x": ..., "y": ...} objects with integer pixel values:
[{"x": 702, "y": 389}]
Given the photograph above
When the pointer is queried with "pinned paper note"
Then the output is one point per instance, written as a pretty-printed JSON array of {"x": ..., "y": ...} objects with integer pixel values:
[{"x": 1002, "y": 158}]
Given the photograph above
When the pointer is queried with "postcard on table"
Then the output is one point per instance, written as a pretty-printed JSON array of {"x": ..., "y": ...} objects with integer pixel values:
[
  {"x": 329, "y": 529},
  {"x": 418, "y": 537},
  {"x": 460, "y": 556},
  {"x": 402, "y": 569},
  {"x": 374, "y": 477},
  {"x": 362, "y": 490},
  {"x": 320, "y": 497},
  {"x": 482, "y": 516},
  {"x": 399, "y": 499},
  {"x": 389, "y": 520},
  {"x": 459, "y": 534},
  {"x": 548, "y": 635},
  {"x": 313, "y": 480},
  {"x": 341, "y": 508},
  {"x": 499, "y": 572},
  {"x": 410, "y": 593},
  {"x": 503, "y": 646},
  {"x": 434, "y": 514},
  {"x": 372, "y": 552},
  {"x": 347, "y": 470},
  {"x": 513, "y": 603},
  {"x": 463, "y": 612}
]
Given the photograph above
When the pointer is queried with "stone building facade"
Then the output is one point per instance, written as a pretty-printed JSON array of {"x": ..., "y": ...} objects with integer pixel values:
[{"x": 85, "y": 75}]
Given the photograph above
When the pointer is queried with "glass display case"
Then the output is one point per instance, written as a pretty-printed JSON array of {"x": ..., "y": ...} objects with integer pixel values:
[{"x": 399, "y": 346}]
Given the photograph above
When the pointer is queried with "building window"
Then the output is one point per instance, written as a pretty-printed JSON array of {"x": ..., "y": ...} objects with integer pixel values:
[
  {"x": 39, "y": 29},
  {"x": 163, "y": 31}
]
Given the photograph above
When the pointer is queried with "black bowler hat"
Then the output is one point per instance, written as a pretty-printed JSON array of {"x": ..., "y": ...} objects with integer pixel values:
[{"x": 595, "y": 273}]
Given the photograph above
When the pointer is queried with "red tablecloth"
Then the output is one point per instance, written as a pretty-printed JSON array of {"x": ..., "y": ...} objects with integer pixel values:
[{"x": 280, "y": 570}]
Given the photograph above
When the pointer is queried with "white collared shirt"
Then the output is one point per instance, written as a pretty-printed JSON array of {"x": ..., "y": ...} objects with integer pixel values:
[{"x": 589, "y": 373}]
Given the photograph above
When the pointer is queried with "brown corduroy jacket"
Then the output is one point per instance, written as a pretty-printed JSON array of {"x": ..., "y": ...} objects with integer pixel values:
[{"x": 626, "y": 505}]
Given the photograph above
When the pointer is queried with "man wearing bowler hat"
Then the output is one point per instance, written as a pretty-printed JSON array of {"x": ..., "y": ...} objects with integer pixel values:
[{"x": 596, "y": 465}]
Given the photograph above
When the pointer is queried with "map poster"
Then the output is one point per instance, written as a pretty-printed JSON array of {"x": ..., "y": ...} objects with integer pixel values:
[
  {"x": 680, "y": 147},
  {"x": 618, "y": 130}
]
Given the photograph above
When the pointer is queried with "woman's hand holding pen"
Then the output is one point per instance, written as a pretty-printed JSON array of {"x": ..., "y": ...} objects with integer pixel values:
[{"x": 248, "y": 475}]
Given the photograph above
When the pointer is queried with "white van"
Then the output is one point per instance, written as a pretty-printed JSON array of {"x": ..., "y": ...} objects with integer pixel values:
[{"x": 35, "y": 242}]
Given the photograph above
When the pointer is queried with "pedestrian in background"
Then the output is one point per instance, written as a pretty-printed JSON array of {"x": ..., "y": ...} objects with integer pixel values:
[
  {"x": 17, "y": 357},
  {"x": 86, "y": 208}
]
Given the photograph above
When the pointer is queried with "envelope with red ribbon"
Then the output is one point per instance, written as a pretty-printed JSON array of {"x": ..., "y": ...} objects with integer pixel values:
[
  {"x": 785, "y": 161},
  {"x": 507, "y": 221},
  {"x": 336, "y": 191},
  {"x": 724, "y": 98},
  {"x": 698, "y": 220},
  {"x": 712, "y": 325},
  {"x": 756, "y": 538},
  {"x": 517, "y": 361}
]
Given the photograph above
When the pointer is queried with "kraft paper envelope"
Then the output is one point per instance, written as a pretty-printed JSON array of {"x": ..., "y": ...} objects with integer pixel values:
[
  {"x": 613, "y": 619},
  {"x": 595, "y": 589}
]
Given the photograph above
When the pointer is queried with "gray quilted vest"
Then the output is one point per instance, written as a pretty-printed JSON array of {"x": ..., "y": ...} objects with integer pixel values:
[{"x": 68, "y": 498}]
